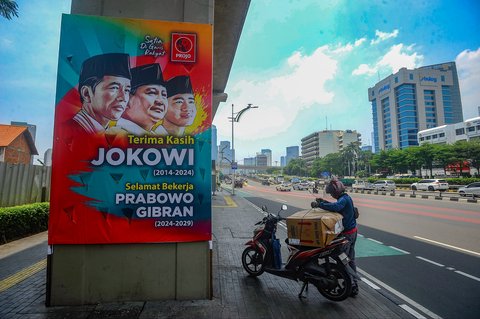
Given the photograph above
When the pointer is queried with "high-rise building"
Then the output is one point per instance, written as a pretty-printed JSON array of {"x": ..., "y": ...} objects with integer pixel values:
[
  {"x": 214, "y": 144},
  {"x": 283, "y": 161},
  {"x": 268, "y": 152},
  {"x": 409, "y": 101},
  {"x": 261, "y": 160},
  {"x": 291, "y": 153},
  {"x": 319, "y": 144},
  {"x": 366, "y": 148},
  {"x": 224, "y": 151},
  {"x": 249, "y": 161}
]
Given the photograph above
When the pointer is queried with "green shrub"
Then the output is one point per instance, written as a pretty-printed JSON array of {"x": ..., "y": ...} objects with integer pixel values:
[{"x": 21, "y": 221}]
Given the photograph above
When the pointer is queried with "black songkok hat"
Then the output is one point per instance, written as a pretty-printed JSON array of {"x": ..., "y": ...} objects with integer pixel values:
[
  {"x": 113, "y": 64},
  {"x": 179, "y": 85},
  {"x": 146, "y": 74}
]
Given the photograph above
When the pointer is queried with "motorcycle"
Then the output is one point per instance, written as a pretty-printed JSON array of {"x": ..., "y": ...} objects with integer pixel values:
[{"x": 326, "y": 268}]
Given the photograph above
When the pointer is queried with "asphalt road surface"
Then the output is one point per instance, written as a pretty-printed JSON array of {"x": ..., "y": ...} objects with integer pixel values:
[{"x": 425, "y": 250}]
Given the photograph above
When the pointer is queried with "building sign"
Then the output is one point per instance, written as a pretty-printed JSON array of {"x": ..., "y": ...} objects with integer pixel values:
[
  {"x": 428, "y": 80},
  {"x": 132, "y": 135},
  {"x": 384, "y": 89}
]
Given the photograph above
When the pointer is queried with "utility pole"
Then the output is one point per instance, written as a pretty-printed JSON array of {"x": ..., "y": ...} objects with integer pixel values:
[{"x": 236, "y": 118}]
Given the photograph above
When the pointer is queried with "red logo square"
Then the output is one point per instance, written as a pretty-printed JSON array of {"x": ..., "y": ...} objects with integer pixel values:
[{"x": 183, "y": 47}]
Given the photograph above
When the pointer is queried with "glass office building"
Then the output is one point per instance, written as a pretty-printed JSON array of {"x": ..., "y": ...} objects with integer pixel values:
[{"x": 409, "y": 101}]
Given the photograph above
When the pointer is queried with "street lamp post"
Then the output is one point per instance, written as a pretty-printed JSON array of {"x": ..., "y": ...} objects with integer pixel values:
[{"x": 236, "y": 118}]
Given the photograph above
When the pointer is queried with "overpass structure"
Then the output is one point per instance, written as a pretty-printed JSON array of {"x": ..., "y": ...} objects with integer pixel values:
[{"x": 240, "y": 167}]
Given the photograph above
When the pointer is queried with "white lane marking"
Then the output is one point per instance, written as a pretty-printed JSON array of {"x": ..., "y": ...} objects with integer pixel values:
[
  {"x": 446, "y": 245},
  {"x": 430, "y": 261},
  {"x": 376, "y": 241},
  {"x": 281, "y": 200},
  {"x": 283, "y": 225},
  {"x": 467, "y": 275},
  {"x": 400, "y": 295},
  {"x": 371, "y": 284},
  {"x": 412, "y": 312},
  {"x": 400, "y": 250}
]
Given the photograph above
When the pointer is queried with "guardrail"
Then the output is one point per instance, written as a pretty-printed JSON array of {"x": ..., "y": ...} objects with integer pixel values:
[{"x": 438, "y": 195}]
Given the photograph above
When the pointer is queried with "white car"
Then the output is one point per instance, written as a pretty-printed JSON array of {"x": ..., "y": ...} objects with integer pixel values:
[
  {"x": 384, "y": 185},
  {"x": 284, "y": 187},
  {"x": 301, "y": 186},
  {"x": 472, "y": 189},
  {"x": 362, "y": 185},
  {"x": 430, "y": 185}
]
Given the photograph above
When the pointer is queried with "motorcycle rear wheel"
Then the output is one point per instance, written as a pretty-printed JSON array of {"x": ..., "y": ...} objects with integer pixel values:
[
  {"x": 343, "y": 287},
  {"x": 252, "y": 261}
]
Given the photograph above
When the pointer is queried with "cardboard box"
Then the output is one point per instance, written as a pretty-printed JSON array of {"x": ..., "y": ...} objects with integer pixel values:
[{"x": 314, "y": 227}]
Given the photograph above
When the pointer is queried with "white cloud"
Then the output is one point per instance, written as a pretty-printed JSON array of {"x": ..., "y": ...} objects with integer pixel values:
[
  {"x": 348, "y": 47},
  {"x": 468, "y": 67},
  {"x": 399, "y": 56},
  {"x": 382, "y": 36},
  {"x": 301, "y": 85},
  {"x": 360, "y": 41},
  {"x": 364, "y": 69}
]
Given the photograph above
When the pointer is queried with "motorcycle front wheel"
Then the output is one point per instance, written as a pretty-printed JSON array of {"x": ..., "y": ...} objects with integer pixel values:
[
  {"x": 252, "y": 261},
  {"x": 338, "y": 285}
]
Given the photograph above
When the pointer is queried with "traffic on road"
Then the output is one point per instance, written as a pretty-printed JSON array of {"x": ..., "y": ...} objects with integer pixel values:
[{"x": 419, "y": 248}]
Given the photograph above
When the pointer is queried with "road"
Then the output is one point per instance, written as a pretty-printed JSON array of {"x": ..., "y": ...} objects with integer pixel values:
[{"x": 425, "y": 250}]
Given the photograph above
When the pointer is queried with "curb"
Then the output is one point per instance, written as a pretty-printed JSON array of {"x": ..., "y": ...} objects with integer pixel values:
[{"x": 422, "y": 196}]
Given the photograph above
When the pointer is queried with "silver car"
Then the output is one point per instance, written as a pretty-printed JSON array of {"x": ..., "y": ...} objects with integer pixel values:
[
  {"x": 472, "y": 189},
  {"x": 384, "y": 185}
]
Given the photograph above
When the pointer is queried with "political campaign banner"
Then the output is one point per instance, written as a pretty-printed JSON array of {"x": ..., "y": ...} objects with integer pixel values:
[{"x": 131, "y": 158}]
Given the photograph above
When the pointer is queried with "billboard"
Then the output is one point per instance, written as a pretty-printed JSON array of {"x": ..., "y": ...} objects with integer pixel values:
[{"x": 131, "y": 158}]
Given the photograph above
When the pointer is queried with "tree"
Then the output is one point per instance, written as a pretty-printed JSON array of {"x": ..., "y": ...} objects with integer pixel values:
[
  {"x": 334, "y": 164},
  {"x": 460, "y": 152},
  {"x": 444, "y": 156},
  {"x": 364, "y": 159},
  {"x": 350, "y": 157},
  {"x": 427, "y": 154},
  {"x": 413, "y": 159},
  {"x": 296, "y": 166},
  {"x": 397, "y": 161},
  {"x": 8, "y": 9},
  {"x": 380, "y": 162},
  {"x": 473, "y": 152}
]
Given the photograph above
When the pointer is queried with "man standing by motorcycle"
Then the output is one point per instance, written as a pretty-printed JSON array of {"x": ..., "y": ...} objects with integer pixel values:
[{"x": 344, "y": 206}]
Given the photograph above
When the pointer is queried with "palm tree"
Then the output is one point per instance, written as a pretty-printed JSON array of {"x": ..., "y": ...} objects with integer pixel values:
[
  {"x": 8, "y": 9},
  {"x": 350, "y": 156}
]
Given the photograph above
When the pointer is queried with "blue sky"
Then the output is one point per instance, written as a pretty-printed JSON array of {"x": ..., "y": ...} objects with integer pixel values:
[
  {"x": 307, "y": 64},
  {"x": 305, "y": 61}
]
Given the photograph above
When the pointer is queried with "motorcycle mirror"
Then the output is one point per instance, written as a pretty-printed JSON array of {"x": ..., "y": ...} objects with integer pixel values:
[
  {"x": 284, "y": 207},
  {"x": 264, "y": 208}
]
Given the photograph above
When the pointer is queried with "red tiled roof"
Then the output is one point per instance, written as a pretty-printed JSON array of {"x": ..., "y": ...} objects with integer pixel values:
[{"x": 8, "y": 133}]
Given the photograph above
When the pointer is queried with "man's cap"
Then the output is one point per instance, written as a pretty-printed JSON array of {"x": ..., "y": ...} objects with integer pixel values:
[
  {"x": 147, "y": 74},
  {"x": 179, "y": 85},
  {"x": 112, "y": 64}
]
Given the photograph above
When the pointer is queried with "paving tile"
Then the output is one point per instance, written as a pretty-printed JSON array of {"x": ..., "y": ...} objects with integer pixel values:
[{"x": 236, "y": 295}]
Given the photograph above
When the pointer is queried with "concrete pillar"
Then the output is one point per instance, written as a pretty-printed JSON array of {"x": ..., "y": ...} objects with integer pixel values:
[{"x": 88, "y": 274}]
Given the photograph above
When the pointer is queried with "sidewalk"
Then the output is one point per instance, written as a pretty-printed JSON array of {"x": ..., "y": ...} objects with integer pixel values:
[{"x": 235, "y": 294}]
